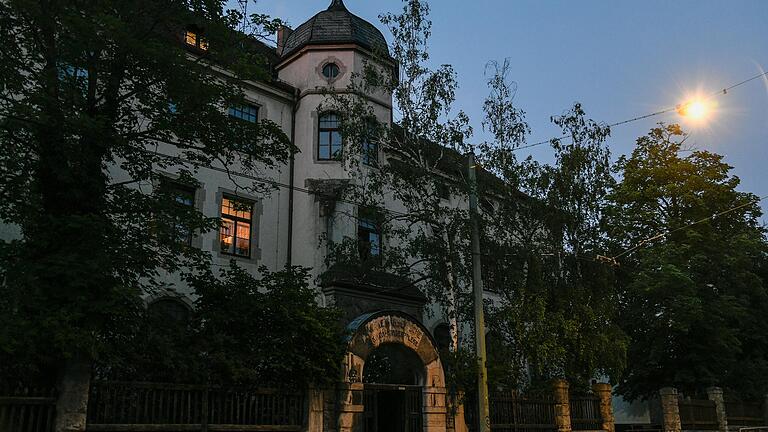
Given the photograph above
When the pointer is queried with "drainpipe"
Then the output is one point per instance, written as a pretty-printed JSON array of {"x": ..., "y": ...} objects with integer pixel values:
[{"x": 291, "y": 181}]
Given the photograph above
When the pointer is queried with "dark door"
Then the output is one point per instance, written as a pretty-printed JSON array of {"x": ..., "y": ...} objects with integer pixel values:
[{"x": 392, "y": 408}]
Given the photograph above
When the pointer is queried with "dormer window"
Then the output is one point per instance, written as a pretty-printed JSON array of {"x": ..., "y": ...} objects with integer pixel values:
[
  {"x": 194, "y": 39},
  {"x": 331, "y": 71}
]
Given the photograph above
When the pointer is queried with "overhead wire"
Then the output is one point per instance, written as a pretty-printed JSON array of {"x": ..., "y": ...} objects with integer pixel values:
[
  {"x": 269, "y": 182},
  {"x": 612, "y": 259},
  {"x": 664, "y": 235},
  {"x": 723, "y": 91}
]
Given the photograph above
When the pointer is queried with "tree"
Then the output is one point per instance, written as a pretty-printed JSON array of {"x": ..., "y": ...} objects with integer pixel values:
[
  {"x": 97, "y": 98},
  {"x": 428, "y": 238},
  {"x": 692, "y": 287},
  {"x": 266, "y": 332},
  {"x": 423, "y": 168},
  {"x": 557, "y": 311}
]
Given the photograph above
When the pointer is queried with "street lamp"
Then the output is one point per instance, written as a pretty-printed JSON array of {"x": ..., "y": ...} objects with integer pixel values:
[{"x": 696, "y": 110}]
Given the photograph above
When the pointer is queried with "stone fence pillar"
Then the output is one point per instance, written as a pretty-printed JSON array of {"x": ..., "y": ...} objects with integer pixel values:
[
  {"x": 562, "y": 405},
  {"x": 603, "y": 392},
  {"x": 715, "y": 394},
  {"x": 435, "y": 409},
  {"x": 72, "y": 402},
  {"x": 670, "y": 410},
  {"x": 350, "y": 407},
  {"x": 315, "y": 418}
]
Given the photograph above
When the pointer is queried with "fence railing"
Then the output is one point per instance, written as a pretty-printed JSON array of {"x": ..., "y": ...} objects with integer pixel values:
[
  {"x": 740, "y": 413},
  {"x": 585, "y": 413},
  {"x": 131, "y": 406},
  {"x": 512, "y": 413},
  {"x": 27, "y": 410},
  {"x": 698, "y": 414}
]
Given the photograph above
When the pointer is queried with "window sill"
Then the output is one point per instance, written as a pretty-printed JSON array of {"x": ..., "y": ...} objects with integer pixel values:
[
  {"x": 230, "y": 256},
  {"x": 328, "y": 161}
]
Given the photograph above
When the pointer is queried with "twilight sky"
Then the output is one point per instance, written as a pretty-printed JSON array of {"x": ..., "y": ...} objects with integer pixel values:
[{"x": 620, "y": 59}]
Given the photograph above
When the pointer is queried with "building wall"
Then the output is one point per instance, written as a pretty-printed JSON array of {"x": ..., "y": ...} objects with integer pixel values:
[{"x": 271, "y": 212}]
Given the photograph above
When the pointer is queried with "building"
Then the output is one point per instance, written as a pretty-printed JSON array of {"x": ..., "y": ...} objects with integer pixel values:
[{"x": 286, "y": 228}]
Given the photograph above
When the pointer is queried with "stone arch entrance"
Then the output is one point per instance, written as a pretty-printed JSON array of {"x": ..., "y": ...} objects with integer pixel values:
[{"x": 407, "y": 397}]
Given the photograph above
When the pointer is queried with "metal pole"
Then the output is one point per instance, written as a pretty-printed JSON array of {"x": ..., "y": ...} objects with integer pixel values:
[{"x": 483, "y": 416}]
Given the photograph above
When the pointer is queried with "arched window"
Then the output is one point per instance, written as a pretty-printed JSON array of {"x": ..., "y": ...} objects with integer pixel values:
[
  {"x": 329, "y": 137},
  {"x": 170, "y": 308},
  {"x": 331, "y": 71},
  {"x": 443, "y": 337}
]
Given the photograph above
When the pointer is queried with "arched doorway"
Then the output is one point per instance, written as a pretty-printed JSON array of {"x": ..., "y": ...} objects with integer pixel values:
[
  {"x": 393, "y": 364},
  {"x": 392, "y": 361},
  {"x": 393, "y": 378}
]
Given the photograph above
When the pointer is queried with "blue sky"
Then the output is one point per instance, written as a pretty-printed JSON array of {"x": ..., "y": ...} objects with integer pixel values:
[{"x": 619, "y": 59}]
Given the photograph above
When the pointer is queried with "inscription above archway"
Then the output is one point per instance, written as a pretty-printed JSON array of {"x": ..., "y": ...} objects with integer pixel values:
[{"x": 395, "y": 329}]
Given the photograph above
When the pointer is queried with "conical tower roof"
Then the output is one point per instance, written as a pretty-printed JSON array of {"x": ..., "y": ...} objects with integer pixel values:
[{"x": 335, "y": 25}]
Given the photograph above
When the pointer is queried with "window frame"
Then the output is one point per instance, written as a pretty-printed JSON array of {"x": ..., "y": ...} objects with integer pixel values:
[
  {"x": 234, "y": 109},
  {"x": 200, "y": 42},
  {"x": 370, "y": 147},
  {"x": 157, "y": 308},
  {"x": 235, "y": 219},
  {"x": 328, "y": 130},
  {"x": 333, "y": 66},
  {"x": 176, "y": 188},
  {"x": 370, "y": 224}
]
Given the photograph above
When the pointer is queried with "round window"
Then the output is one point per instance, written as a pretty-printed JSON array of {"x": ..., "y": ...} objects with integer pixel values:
[{"x": 331, "y": 70}]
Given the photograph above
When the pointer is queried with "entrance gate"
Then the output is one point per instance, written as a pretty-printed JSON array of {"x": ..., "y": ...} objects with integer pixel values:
[
  {"x": 394, "y": 380},
  {"x": 392, "y": 408}
]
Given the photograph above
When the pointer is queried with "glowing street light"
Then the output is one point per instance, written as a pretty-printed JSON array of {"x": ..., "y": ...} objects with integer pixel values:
[{"x": 696, "y": 109}]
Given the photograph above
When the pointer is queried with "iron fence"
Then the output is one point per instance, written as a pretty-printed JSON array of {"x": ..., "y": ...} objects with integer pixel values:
[
  {"x": 698, "y": 414},
  {"x": 27, "y": 410},
  {"x": 739, "y": 413},
  {"x": 133, "y": 406},
  {"x": 510, "y": 412},
  {"x": 585, "y": 413}
]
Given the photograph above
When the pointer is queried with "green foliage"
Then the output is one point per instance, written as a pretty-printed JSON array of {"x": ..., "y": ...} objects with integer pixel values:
[
  {"x": 266, "y": 331},
  {"x": 424, "y": 239},
  {"x": 460, "y": 370},
  {"x": 693, "y": 299},
  {"x": 558, "y": 309},
  {"x": 97, "y": 100}
]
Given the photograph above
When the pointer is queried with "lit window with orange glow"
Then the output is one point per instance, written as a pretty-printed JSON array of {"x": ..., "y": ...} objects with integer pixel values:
[
  {"x": 194, "y": 39},
  {"x": 190, "y": 38},
  {"x": 235, "y": 231}
]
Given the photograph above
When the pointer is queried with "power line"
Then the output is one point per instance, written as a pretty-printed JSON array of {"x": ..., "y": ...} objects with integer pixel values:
[
  {"x": 664, "y": 235},
  {"x": 613, "y": 260},
  {"x": 267, "y": 182},
  {"x": 602, "y": 258},
  {"x": 723, "y": 91}
]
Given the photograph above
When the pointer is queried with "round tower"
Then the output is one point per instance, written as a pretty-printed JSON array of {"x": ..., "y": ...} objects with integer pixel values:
[{"x": 323, "y": 54}]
